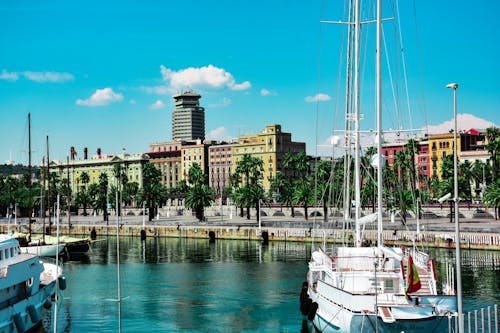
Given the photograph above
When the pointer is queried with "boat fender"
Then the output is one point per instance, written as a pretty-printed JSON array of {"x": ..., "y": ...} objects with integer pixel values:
[
  {"x": 312, "y": 311},
  {"x": 93, "y": 234},
  {"x": 47, "y": 305},
  {"x": 20, "y": 324},
  {"x": 265, "y": 237},
  {"x": 304, "y": 307},
  {"x": 34, "y": 314},
  {"x": 143, "y": 235},
  {"x": 303, "y": 296},
  {"x": 62, "y": 283}
]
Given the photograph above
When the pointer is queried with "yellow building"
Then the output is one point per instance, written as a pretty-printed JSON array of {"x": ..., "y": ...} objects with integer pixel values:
[
  {"x": 440, "y": 146},
  {"x": 98, "y": 164},
  {"x": 270, "y": 146},
  {"x": 195, "y": 152}
]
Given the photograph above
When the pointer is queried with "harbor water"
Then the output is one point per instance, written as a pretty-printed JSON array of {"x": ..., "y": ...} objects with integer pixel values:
[{"x": 193, "y": 285}]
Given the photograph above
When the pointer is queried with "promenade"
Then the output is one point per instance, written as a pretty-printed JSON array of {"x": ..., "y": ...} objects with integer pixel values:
[{"x": 481, "y": 233}]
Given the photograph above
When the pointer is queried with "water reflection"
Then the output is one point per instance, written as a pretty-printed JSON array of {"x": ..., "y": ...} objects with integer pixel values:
[{"x": 179, "y": 285}]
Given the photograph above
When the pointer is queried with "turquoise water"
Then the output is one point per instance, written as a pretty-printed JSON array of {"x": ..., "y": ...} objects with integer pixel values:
[{"x": 186, "y": 285}]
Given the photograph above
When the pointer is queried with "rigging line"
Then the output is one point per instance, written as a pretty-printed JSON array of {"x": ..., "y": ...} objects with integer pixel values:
[
  {"x": 318, "y": 80},
  {"x": 338, "y": 85},
  {"x": 404, "y": 64},
  {"x": 420, "y": 70},
  {"x": 391, "y": 81}
]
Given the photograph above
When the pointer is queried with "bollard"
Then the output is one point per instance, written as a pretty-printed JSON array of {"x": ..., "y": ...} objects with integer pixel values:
[{"x": 211, "y": 235}]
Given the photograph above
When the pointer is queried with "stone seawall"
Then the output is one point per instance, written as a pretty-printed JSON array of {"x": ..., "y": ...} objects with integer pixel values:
[{"x": 440, "y": 238}]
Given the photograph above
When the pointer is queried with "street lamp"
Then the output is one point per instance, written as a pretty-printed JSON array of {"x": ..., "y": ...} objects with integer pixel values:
[{"x": 454, "y": 86}]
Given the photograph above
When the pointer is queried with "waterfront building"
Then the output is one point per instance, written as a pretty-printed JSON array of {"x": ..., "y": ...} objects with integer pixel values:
[
  {"x": 390, "y": 150},
  {"x": 471, "y": 143},
  {"x": 440, "y": 146},
  {"x": 188, "y": 118},
  {"x": 166, "y": 157},
  {"x": 194, "y": 152},
  {"x": 270, "y": 146},
  {"x": 220, "y": 166},
  {"x": 132, "y": 164},
  {"x": 424, "y": 162}
]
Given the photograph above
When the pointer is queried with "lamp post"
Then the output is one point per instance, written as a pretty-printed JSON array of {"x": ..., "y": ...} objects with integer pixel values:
[{"x": 454, "y": 86}]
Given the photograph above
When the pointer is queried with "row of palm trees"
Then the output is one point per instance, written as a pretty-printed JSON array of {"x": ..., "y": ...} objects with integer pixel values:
[{"x": 301, "y": 182}]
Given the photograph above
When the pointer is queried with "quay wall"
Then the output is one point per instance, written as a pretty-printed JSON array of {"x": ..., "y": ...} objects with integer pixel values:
[{"x": 439, "y": 238}]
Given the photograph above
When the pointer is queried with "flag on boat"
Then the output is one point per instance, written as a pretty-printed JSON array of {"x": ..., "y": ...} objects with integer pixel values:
[{"x": 413, "y": 282}]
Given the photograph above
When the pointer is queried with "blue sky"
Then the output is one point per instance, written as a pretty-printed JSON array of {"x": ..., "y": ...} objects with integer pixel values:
[{"x": 102, "y": 73}]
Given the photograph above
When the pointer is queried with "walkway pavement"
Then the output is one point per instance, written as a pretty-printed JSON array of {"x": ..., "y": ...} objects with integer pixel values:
[{"x": 479, "y": 225}]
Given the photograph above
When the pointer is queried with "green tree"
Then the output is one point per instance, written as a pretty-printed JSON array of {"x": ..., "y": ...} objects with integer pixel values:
[
  {"x": 492, "y": 197},
  {"x": 152, "y": 191},
  {"x": 250, "y": 168},
  {"x": 102, "y": 195},
  {"x": 199, "y": 195},
  {"x": 120, "y": 174},
  {"x": 303, "y": 194},
  {"x": 324, "y": 179},
  {"x": 493, "y": 147}
]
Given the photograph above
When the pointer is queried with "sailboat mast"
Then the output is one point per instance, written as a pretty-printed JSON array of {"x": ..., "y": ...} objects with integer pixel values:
[
  {"x": 48, "y": 186},
  {"x": 29, "y": 172},
  {"x": 357, "y": 190},
  {"x": 379, "y": 122},
  {"x": 348, "y": 125}
]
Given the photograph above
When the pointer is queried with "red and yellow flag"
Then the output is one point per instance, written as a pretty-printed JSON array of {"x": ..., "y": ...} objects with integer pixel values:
[{"x": 413, "y": 282}]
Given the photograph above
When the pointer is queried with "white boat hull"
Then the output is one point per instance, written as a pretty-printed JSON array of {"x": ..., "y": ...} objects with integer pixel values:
[{"x": 43, "y": 250}]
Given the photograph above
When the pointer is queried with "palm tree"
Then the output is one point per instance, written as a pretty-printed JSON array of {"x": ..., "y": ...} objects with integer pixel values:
[
  {"x": 120, "y": 174},
  {"x": 278, "y": 187},
  {"x": 82, "y": 196},
  {"x": 478, "y": 175},
  {"x": 297, "y": 167},
  {"x": 199, "y": 195},
  {"x": 251, "y": 168},
  {"x": 151, "y": 193},
  {"x": 492, "y": 197},
  {"x": 196, "y": 175},
  {"x": 303, "y": 194},
  {"x": 323, "y": 177},
  {"x": 493, "y": 147},
  {"x": 102, "y": 195}
]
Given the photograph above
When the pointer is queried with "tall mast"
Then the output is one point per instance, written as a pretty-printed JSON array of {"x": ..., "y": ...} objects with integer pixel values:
[
  {"x": 348, "y": 120},
  {"x": 48, "y": 186},
  {"x": 29, "y": 172},
  {"x": 379, "y": 121},
  {"x": 68, "y": 194},
  {"x": 357, "y": 28}
]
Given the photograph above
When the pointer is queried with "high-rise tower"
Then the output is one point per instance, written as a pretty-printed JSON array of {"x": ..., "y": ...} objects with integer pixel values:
[{"x": 188, "y": 118}]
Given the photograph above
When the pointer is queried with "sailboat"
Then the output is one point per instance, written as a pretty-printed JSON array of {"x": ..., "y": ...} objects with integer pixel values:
[
  {"x": 27, "y": 244},
  {"x": 360, "y": 288}
]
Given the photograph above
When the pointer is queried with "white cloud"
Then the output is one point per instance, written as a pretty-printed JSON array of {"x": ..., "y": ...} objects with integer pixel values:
[
  {"x": 157, "y": 105},
  {"x": 265, "y": 92},
  {"x": 132, "y": 101},
  {"x": 464, "y": 123},
  {"x": 48, "y": 76},
  {"x": 219, "y": 134},
  {"x": 11, "y": 76},
  {"x": 225, "y": 102},
  {"x": 101, "y": 97},
  {"x": 206, "y": 76},
  {"x": 318, "y": 98}
]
